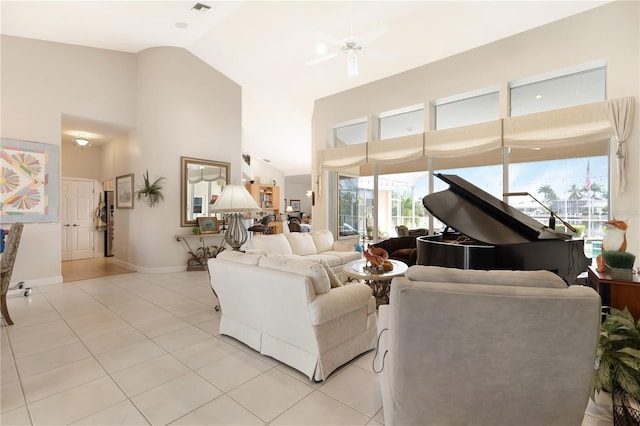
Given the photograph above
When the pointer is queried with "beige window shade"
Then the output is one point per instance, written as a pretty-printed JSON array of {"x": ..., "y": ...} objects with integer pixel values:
[
  {"x": 590, "y": 149},
  {"x": 567, "y": 126},
  {"x": 344, "y": 157},
  {"x": 396, "y": 150},
  {"x": 463, "y": 141}
]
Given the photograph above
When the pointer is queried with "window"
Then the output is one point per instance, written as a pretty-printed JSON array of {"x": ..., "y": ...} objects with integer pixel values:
[
  {"x": 467, "y": 110},
  {"x": 397, "y": 124},
  {"x": 571, "y": 180},
  {"x": 197, "y": 205},
  {"x": 558, "y": 92},
  {"x": 348, "y": 206},
  {"x": 351, "y": 134}
]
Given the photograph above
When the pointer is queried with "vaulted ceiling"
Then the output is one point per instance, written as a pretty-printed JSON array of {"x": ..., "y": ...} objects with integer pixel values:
[{"x": 265, "y": 46}]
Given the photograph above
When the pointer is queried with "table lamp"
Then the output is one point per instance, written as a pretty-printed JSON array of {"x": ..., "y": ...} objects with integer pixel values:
[
  {"x": 235, "y": 200},
  {"x": 288, "y": 210}
]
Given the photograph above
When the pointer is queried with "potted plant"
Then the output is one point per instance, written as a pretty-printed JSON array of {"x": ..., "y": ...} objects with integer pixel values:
[
  {"x": 151, "y": 191},
  {"x": 618, "y": 365},
  {"x": 620, "y": 263}
]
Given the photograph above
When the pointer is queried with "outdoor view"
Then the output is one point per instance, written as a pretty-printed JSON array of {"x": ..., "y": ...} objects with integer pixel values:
[{"x": 576, "y": 189}]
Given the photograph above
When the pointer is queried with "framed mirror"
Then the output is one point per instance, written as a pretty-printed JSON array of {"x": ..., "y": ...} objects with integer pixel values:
[{"x": 202, "y": 182}]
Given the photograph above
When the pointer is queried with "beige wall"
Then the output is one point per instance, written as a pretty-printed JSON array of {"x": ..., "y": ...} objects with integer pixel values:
[
  {"x": 609, "y": 33},
  {"x": 176, "y": 104}
]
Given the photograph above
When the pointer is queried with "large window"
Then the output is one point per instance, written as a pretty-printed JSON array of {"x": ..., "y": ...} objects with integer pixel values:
[{"x": 572, "y": 180}]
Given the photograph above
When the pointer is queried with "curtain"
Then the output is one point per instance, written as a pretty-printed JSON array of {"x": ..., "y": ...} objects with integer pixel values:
[
  {"x": 466, "y": 140},
  {"x": 561, "y": 127},
  {"x": 620, "y": 113},
  {"x": 343, "y": 157},
  {"x": 396, "y": 150}
]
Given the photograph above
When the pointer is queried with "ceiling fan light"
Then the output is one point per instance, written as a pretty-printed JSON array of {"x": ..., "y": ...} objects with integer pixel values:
[
  {"x": 352, "y": 64},
  {"x": 82, "y": 142}
]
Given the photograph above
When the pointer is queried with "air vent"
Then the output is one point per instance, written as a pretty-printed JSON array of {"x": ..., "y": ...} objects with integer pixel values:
[{"x": 201, "y": 7}]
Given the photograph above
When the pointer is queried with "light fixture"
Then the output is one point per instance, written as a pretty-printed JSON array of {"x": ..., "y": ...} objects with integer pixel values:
[
  {"x": 289, "y": 209},
  {"x": 351, "y": 50},
  {"x": 309, "y": 192},
  {"x": 236, "y": 201},
  {"x": 82, "y": 142}
]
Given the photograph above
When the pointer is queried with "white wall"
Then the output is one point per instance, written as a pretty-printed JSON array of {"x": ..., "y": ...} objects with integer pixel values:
[
  {"x": 610, "y": 32},
  {"x": 176, "y": 104}
]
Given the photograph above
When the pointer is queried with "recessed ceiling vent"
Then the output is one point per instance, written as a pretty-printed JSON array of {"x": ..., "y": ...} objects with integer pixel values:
[{"x": 201, "y": 7}]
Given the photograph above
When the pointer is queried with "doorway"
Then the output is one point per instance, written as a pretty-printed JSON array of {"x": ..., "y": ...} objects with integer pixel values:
[
  {"x": 76, "y": 218},
  {"x": 84, "y": 269}
]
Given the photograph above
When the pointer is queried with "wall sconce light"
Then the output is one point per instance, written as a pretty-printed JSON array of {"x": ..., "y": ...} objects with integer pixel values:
[{"x": 82, "y": 142}]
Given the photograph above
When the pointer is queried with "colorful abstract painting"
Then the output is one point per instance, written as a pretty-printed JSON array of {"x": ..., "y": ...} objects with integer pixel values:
[{"x": 29, "y": 181}]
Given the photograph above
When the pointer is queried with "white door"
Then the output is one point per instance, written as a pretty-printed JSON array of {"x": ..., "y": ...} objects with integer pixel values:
[{"x": 77, "y": 219}]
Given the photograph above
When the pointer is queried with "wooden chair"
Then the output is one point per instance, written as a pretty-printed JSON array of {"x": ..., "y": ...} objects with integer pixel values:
[
  {"x": 263, "y": 227},
  {"x": 6, "y": 266},
  {"x": 294, "y": 226}
]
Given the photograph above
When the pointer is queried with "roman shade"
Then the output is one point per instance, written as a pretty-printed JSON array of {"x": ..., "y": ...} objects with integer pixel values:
[
  {"x": 396, "y": 150},
  {"x": 465, "y": 140}
]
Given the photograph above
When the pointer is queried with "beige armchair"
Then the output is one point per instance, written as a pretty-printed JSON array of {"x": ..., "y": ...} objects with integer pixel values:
[{"x": 467, "y": 347}]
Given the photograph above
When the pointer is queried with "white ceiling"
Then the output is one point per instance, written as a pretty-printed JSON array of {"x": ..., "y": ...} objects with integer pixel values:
[{"x": 264, "y": 45}]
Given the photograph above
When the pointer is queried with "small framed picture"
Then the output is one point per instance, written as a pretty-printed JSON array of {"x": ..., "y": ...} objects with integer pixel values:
[
  {"x": 124, "y": 191},
  {"x": 208, "y": 225},
  {"x": 295, "y": 205}
]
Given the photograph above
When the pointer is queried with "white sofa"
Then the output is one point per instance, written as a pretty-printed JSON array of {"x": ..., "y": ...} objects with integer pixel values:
[
  {"x": 312, "y": 245},
  {"x": 293, "y": 309},
  {"x": 467, "y": 347}
]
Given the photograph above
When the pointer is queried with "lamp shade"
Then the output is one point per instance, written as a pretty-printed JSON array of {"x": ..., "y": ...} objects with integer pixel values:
[
  {"x": 235, "y": 199},
  {"x": 289, "y": 209}
]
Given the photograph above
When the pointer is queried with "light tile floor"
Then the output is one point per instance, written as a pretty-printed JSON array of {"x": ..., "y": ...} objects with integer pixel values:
[{"x": 139, "y": 349}]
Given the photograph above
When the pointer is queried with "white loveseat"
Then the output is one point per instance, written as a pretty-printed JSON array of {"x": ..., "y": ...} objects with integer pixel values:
[
  {"x": 314, "y": 245},
  {"x": 293, "y": 309},
  {"x": 466, "y": 347}
]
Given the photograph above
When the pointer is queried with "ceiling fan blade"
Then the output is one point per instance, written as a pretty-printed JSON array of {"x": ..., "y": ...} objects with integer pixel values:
[
  {"x": 373, "y": 34},
  {"x": 327, "y": 38},
  {"x": 321, "y": 58}
]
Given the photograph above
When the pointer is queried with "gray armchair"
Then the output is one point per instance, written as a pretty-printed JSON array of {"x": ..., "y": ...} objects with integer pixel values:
[{"x": 467, "y": 347}]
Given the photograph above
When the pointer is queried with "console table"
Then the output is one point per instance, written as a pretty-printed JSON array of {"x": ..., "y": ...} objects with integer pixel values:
[
  {"x": 616, "y": 293},
  {"x": 201, "y": 255}
]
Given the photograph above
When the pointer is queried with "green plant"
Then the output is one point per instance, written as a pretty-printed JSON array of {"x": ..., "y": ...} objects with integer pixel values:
[
  {"x": 151, "y": 191},
  {"x": 619, "y": 259},
  {"x": 618, "y": 356}
]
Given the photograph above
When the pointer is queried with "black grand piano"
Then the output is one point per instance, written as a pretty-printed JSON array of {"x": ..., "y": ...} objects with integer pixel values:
[{"x": 490, "y": 234}]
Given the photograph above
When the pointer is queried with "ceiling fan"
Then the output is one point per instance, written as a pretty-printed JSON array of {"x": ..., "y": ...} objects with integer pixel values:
[{"x": 351, "y": 46}]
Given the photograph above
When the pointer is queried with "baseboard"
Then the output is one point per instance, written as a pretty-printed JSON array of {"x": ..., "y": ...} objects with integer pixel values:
[
  {"x": 145, "y": 270},
  {"x": 38, "y": 282}
]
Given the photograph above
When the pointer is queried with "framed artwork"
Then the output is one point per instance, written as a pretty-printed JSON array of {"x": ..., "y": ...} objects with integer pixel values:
[
  {"x": 208, "y": 225},
  {"x": 30, "y": 181},
  {"x": 295, "y": 205},
  {"x": 124, "y": 191}
]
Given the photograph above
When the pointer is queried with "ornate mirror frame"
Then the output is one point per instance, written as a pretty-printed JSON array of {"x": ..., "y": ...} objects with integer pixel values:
[{"x": 218, "y": 171}]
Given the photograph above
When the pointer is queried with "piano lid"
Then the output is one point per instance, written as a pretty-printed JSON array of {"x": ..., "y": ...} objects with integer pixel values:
[{"x": 483, "y": 217}]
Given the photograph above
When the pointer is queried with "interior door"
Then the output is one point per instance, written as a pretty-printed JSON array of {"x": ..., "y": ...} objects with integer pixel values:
[{"x": 77, "y": 219}]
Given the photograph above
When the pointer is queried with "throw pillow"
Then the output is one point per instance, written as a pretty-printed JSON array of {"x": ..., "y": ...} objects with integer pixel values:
[
  {"x": 314, "y": 270},
  {"x": 323, "y": 240},
  {"x": 273, "y": 244},
  {"x": 301, "y": 243},
  {"x": 333, "y": 278}
]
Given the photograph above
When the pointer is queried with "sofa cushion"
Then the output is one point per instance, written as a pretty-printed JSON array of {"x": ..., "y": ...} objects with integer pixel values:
[
  {"x": 323, "y": 240},
  {"x": 313, "y": 269},
  {"x": 273, "y": 244},
  {"x": 344, "y": 256},
  {"x": 543, "y": 279},
  {"x": 327, "y": 258},
  {"x": 239, "y": 257},
  {"x": 301, "y": 243}
]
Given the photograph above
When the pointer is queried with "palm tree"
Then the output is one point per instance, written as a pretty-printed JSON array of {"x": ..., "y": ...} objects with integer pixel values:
[
  {"x": 548, "y": 193},
  {"x": 575, "y": 193}
]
